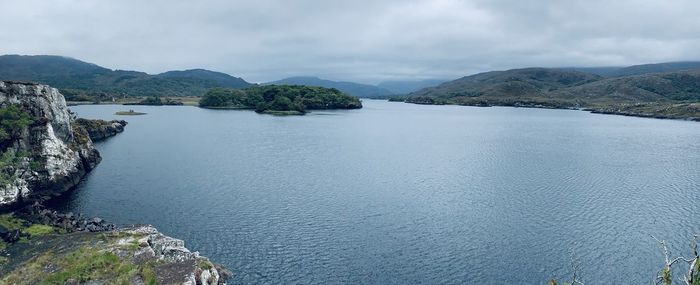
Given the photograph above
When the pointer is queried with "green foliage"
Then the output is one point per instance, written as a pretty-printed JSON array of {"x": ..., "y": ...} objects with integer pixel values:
[
  {"x": 12, "y": 120},
  {"x": 149, "y": 276},
  {"x": 279, "y": 98},
  {"x": 11, "y": 222},
  {"x": 90, "y": 264},
  {"x": 666, "y": 276},
  {"x": 155, "y": 100},
  {"x": 40, "y": 230},
  {"x": 696, "y": 273},
  {"x": 9, "y": 160}
]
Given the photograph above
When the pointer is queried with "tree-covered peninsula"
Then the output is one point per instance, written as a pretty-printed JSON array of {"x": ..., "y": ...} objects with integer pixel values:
[{"x": 279, "y": 99}]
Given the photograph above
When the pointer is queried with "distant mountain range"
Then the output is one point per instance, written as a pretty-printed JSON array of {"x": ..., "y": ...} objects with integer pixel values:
[
  {"x": 75, "y": 76},
  {"x": 667, "y": 90},
  {"x": 355, "y": 89},
  {"x": 405, "y": 87},
  {"x": 590, "y": 87},
  {"x": 618, "y": 71}
]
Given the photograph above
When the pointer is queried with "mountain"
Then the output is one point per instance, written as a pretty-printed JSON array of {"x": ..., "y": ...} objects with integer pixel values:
[
  {"x": 526, "y": 82},
  {"x": 656, "y": 68},
  {"x": 355, "y": 89},
  {"x": 661, "y": 95},
  {"x": 78, "y": 79},
  {"x": 405, "y": 87},
  {"x": 223, "y": 79},
  {"x": 605, "y": 71},
  {"x": 654, "y": 87}
]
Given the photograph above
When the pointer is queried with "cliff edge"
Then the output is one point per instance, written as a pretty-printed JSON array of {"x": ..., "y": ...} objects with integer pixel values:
[{"x": 44, "y": 152}]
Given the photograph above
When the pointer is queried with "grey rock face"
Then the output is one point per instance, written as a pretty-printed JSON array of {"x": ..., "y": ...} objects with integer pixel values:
[
  {"x": 64, "y": 150},
  {"x": 100, "y": 129},
  {"x": 181, "y": 265}
]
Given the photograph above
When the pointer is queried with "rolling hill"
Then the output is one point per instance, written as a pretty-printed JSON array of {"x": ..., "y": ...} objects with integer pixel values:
[
  {"x": 222, "y": 79},
  {"x": 355, "y": 89},
  {"x": 78, "y": 79},
  {"x": 523, "y": 83},
  {"x": 406, "y": 86},
  {"x": 665, "y": 95},
  {"x": 655, "y": 68}
]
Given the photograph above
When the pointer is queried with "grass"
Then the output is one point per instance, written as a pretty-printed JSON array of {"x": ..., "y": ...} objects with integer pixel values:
[
  {"x": 40, "y": 230},
  {"x": 84, "y": 264},
  {"x": 11, "y": 222},
  {"x": 91, "y": 264}
]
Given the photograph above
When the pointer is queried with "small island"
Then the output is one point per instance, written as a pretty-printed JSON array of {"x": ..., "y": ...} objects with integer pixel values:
[
  {"x": 279, "y": 99},
  {"x": 129, "y": 113}
]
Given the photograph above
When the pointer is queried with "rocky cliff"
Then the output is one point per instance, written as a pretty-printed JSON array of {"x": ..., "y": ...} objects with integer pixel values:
[
  {"x": 56, "y": 251},
  {"x": 44, "y": 152},
  {"x": 100, "y": 129}
]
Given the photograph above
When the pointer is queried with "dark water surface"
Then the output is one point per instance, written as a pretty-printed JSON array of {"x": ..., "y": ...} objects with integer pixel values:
[{"x": 405, "y": 194}]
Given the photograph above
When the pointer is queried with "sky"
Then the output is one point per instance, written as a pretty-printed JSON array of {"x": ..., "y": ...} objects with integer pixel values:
[{"x": 363, "y": 41}]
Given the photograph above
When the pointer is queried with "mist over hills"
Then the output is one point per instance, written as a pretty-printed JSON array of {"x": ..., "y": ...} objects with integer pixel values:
[
  {"x": 618, "y": 71},
  {"x": 406, "y": 86},
  {"x": 663, "y": 83}
]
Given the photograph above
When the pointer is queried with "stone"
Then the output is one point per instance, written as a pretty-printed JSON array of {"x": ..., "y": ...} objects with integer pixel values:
[{"x": 64, "y": 149}]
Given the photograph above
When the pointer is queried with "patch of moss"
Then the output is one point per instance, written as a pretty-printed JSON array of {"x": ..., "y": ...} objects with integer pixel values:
[
  {"x": 11, "y": 222},
  {"x": 91, "y": 264},
  {"x": 149, "y": 275},
  {"x": 40, "y": 230},
  {"x": 206, "y": 265},
  {"x": 31, "y": 273}
]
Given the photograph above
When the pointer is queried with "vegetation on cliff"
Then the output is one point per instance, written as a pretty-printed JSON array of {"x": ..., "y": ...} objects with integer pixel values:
[
  {"x": 12, "y": 121},
  {"x": 59, "y": 252},
  {"x": 287, "y": 99}
]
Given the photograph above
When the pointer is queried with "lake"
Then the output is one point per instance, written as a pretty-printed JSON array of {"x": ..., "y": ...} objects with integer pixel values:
[{"x": 404, "y": 194}]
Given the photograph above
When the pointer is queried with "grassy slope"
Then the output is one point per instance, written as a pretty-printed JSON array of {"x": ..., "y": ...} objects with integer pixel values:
[{"x": 663, "y": 95}]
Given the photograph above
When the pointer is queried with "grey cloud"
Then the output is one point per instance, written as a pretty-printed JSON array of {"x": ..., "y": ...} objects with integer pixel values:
[{"x": 353, "y": 40}]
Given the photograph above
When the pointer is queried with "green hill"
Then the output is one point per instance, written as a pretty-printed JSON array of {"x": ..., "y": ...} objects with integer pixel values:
[
  {"x": 502, "y": 87},
  {"x": 656, "y": 87},
  {"x": 222, "y": 79},
  {"x": 663, "y": 95},
  {"x": 352, "y": 88},
  {"x": 408, "y": 86},
  {"x": 656, "y": 68},
  {"x": 82, "y": 80}
]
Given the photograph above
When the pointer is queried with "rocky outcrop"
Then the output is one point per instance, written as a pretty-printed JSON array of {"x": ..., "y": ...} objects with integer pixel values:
[
  {"x": 52, "y": 154},
  {"x": 181, "y": 266},
  {"x": 150, "y": 256},
  {"x": 68, "y": 222},
  {"x": 100, "y": 129}
]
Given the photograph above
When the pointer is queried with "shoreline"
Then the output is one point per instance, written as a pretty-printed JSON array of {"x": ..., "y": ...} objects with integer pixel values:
[{"x": 592, "y": 110}]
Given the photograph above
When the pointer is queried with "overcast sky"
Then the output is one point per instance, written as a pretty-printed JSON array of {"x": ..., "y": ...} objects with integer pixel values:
[{"x": 367, "y": 41}]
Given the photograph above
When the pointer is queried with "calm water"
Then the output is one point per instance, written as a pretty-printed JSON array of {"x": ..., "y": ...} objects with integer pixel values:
[{"x": 405, "y": 194}]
